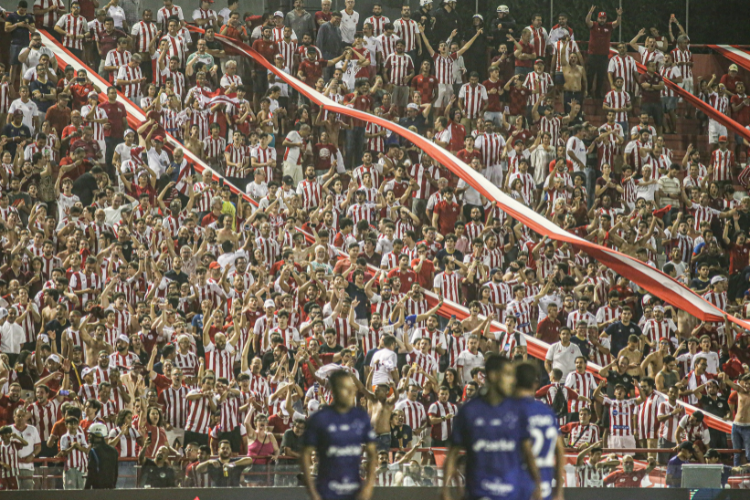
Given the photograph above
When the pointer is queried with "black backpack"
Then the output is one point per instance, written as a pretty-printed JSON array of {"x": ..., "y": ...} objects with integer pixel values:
[{"x": 559, "y": 403}]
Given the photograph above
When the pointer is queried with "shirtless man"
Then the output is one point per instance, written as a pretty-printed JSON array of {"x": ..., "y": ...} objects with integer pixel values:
[
  {"x": 654, "y": 362},
  {"x": 628, "y": 245},
  {"x": 668, "y": 376},
  {"x": 741, "y": 425},
  {"x": 380, "y": 405},
  {"x": 473, "y": 321},
  {"x": 576, "y": 85}
]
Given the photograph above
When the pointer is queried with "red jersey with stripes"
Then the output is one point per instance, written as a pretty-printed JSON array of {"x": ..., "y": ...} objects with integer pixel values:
[
  {"x": 626, "y": 68},
  {"x": 620, "y": 416},
  {"x": 646, "y": 412},
  {"x": 444, "y": 67},
  {"x": 220, "y": 360},
  {"x": 474, "y": 99},
  {"x": 74, "y": 26},
  {"x": 442, "y": 430},
  {"x": 143, "y": 32},
  {"x": 199, "y": 412},
  {"x": 584, "y": 384},
  {"x": 415, "y": 414},
  {"x": 399, "y": 65},
  {"x": 76, "y": 459},
  {"x": 127, "y": 444},
  {"x": 408, "y": 31},
  {"x": 668, "y": 427},
  {"x": 722, "y": 162},
  {"x": 378, "y": 24}
]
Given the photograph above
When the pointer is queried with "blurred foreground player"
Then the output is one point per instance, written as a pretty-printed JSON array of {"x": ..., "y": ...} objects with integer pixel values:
[
  {"x": 493, "y": 429},
  {"x": 548, "y": 446},
  {"x": 336, "y": 433}
]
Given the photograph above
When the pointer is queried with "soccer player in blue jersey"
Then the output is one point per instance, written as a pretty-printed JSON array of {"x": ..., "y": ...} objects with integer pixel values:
[
  {"x": 337, "y": 434},
  {"x": 547, "y": 443},
  {"x": 494, "y": 431}
]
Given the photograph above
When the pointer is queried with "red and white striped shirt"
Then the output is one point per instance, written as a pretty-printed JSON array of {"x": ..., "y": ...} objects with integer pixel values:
[
  {"x": 76, "y": 459},
  {"x": 414, "y": 413},
  {"x": 400, "y": 65},
  {"x": 703, "y": 214},
  {"x": 9, "y": 456},
  {"x": 74, "y": 26},
  {"x": 646, "y": 412},
  {"x": 375, "y": 144},
  {"x": 427, "y": 362},
  {"x": 175, "y": 405},
  {"x": 144, "y": 33},
  {"x": 239, "y": 156},
  {"x": 719, "y": 103},
  {"x": 624, "y": 67},
  {"x": 199, "y": 413},
  {"x": 442, "y": 431},
  {"x": 583, "y": 434},
  {"x": 723, "y": 162},
  {"x": 408, "y": 31},
  {"x": 618, "y": 100},
  {"x": 287, "y": 50},
  {"x": 270, "y": 248},
  {"x": 388, "y": 43},
  {"x": 657, "y": 330},
  {"x": 311, "y": 192},
  {"x": 128, "y": 73},
  {"x": 99, "y": 114},
  {"x": 474, "y": 99},
  {"x": 44, "y": 416},
  {"x": 164, "y": 14},
  {"x": 668, "y": 427},
  {"x": 539, "y": 40},
  {"x": 175, "y": 47},
  {"x": 128, "y": 443},
  {"x": 620, "y": 413},
  {"x": 449, "y": 285},
  {"x": 230, "y": 414},
  {"x": 220, "y": 361},
  {"x": 669, "y": 74},
  {"x": 572, "y": 48},
  {"x": 444, "y": 67},
  {"x": 538, "y": 84},
  {"x": 584, "y": 384},
  {"x": 683, "y": 56},
  {"x": 50, "y": 18},
  {"x": 490, "y": 146}
]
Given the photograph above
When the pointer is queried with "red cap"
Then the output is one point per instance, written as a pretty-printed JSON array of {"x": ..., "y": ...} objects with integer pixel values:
[
  {"x": 214, "y": 265},
  {"x": 158, "y": 138},
  {"x": 722, "y": 138},
  {"x": 602, "y": 14}
]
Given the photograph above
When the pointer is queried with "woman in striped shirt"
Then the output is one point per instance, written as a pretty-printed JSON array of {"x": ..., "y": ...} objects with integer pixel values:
[{"x": 127, "y": 440}]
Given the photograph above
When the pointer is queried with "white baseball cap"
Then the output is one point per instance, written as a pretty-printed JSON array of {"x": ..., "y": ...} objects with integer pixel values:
[
  {"x": 278, "y": 13},
  {"x": 124, "y": 338},
  {"x": 54, "y": 357},
  {"x": 503, "y": 8},
  {"x": 422, "y": 3},
  {"x": 269, "y": 303}
]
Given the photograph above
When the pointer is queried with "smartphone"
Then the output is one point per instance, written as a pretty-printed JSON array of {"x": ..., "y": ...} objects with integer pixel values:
[{"x": 149, "y": 435}]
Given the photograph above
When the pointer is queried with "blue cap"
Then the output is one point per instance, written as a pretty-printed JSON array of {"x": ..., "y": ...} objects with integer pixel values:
[{"x": 411, "y": 319}]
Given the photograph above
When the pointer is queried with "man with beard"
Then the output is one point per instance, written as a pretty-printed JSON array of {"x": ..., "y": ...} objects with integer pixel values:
[
  {"x": 225, "y": 471},
  {"x": 628, "y": 477},
  {"x": 9, "y": 402},
  {"x": 156, "y": 473}
]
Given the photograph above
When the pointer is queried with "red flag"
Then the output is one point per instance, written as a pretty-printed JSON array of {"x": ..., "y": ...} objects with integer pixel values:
[{"x": 662, "y": 211}]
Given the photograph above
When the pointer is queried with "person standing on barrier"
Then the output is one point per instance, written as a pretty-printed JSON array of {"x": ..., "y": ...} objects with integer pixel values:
[
  {"x": 102, "y": 460},
  {"x": 336, "y": 434},
  {"x": 741, "y": 424}
]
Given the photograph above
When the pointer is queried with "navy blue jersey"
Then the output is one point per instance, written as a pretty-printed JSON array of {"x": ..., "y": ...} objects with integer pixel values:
[
  {"x": 338, "y": 439},
  {"x": 492, "y": 437},
  {"x": 544, "y": 434}
]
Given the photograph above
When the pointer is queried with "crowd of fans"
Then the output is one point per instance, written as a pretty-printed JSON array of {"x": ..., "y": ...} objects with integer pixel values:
[{"x": 150, "y": 316}]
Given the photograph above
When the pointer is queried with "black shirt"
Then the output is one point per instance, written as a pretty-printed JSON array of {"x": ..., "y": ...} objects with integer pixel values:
[
  {"x": 363, "y": 308},
  {"x": 228, "y": 475},
  {"x": 445, "y": 23},
  {"x": 443, "y": 253},
  {"x": 418, "y": 121},
  {"x": 84, "y": 187},
  {"x": 11, "y": 131},
  {"x": 614, "y": 378},
  {"x": 619, "y": 333},
  {"x": 325, "y": 349},
  {"x": 180, "y": 277},
  {"x": 58, "y": 328},
  {"x": 102, "y": 468},
  {"x": 291, "y": 441},
  {"x": 401, "y": 437},
  {"x": 157, "y": 477},
  {"x": 584, "y": 345},
  {"x": 718, "y": 406},
  {"x": 20, "y": 36}
]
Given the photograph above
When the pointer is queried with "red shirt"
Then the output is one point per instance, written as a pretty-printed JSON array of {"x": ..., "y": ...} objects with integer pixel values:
[
  {"x": 115, "y": 113},
  {"x": 265, "y": 48},
  {"x": 447, "y": 216},
  {"x": 426, "y": 86},
  {"x": 493, "y": 102},
  {"x": 743, "y": 115},
  {"x": 458, "y": 134},
  {"x": 730, "y": 82},
  {"x": 652, "y": 96},
  {"x": 408, "y": 278},
  {"x": 426, "y": 274},
  {"x": 361, "y": 103},
  {"x": 466, "y": 156},
  {"x": 325, "y": 16},
  {"x": 599, "y": 37},
  {"x": 209, "y": 219},
  {"x": 548, "y": 330},
  {"x": 526, "y": 48},
  {"x": 312, "y": 70},
  {"x": 622, "y": 479},
  {"x": 738, "y": 257},
  {"x": 518, "y": 98},
  {"x": 7, "y": 408}
]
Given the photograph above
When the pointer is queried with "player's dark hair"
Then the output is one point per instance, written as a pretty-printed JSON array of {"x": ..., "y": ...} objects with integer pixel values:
[
  {"x": 527, "y": 376},
  {"x": 494, "y": 363}
]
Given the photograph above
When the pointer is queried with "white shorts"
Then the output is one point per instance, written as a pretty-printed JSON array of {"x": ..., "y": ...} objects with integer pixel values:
[
  {"x": 623, "y": 443},
  {"x": 715, "y": 129},
  {"x": 687, "y": 85},
  {"x": 445, "y": 92}
]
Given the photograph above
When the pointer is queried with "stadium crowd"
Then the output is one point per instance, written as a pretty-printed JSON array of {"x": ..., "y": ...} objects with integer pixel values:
[{"x": 151, "y": 315}]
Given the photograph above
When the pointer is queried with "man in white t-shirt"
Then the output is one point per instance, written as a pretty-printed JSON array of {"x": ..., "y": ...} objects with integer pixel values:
[
  {"x": 469, "y": 359},
  {"x": 30, "y": 434},
  {"x": 349, "y": 21},
  {"x": 562, "y": 354},
  {"x": 576, "y": 149},
  {"x": 385, "y": 363},
  {"x": 295, "y": 143}
]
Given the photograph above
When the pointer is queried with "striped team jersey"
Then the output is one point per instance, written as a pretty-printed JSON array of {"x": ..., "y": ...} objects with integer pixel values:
[
  {"x": 220, "y": 360},
  {"x": 491, "y": 147},
  {"x": 620, "y": 413},
  {"x": 74, "y": 26},
  {"x": 538, "y": 84},
  {"x": 287, "y": 50},
  {"x": 378, "y": 24},
  {"x": 199, "y": 413},
  {"x": 538, "y": 40},
  {"x": 626, "y": 68},
  {"x": 49, "y": 18},
  {"x": 572, "y": 48},
  {"x": 719, "y": 103},
  {"x": 590, "y": 476},
  {"x": 98, "y": 114},
  {"x": 388, "y": 43},
  {"x": 656, "y": 330},
  {"x": 646, "y": 412},
  {"x": 214, "y": 147},
  {"x": 43, "y": 417},
  {"x": 116, "y": 58},
  {"x": 176, "y": 47},
  {"x": 127, "y": 73},
  {"x": 522, "y": 311},
  {"x": 239, "y": 156},
  {"x": 408, "y": 31},
  {"x": 683, "y": 56},
  {"x": 723, "y": 162},
  {"x": 399, "y": 65},
  {"x": 584, "y": 384},
  {"x": 414, "y": 413},
  {"x": 448, "y": 285},
  {"x": 668, "y": 427},
  {"x": 618, "y": 100},
  {"x": 442, "y": 430},
  {"x": 671, "y": 74},
  {"x": 374, "y": 144},
  {"x": 9, "y": 456},
  {"x": 76, "y": 459},
  {"x": 582, "y": 434},
  {"x": 230, "y": 413},
  {"x": 427, "y": 362},
  {"x": 444, "y": 67},
  {"x": 474, "y": 99},
  {"x": 143, "y": 33},
  {"x": 717, "y": 299}
]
